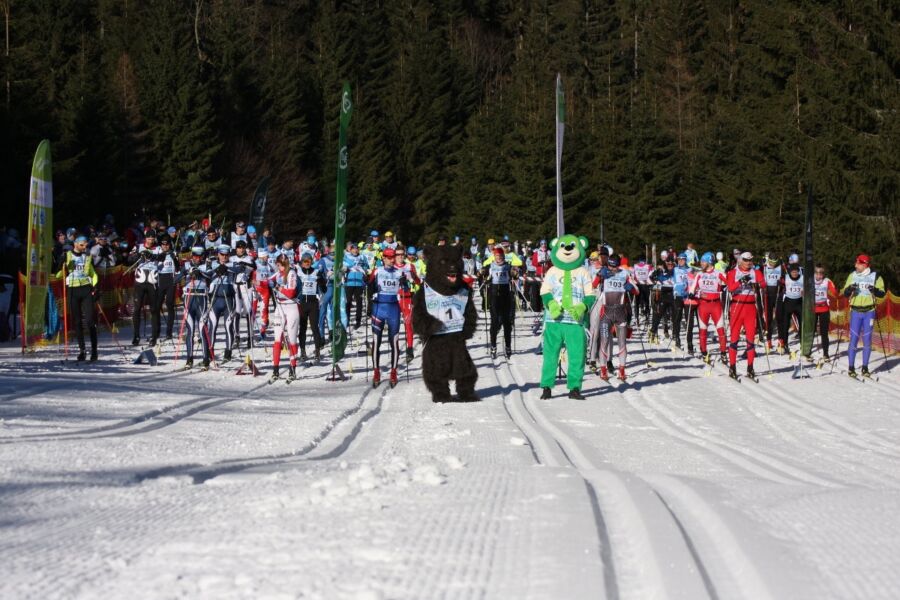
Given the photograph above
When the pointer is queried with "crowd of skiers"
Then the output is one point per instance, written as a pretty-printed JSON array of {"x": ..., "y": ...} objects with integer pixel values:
[{"x": 246, "y": 275}]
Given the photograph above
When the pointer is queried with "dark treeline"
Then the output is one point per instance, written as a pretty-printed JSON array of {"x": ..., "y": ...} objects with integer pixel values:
[{"x": 687, "y": 120}]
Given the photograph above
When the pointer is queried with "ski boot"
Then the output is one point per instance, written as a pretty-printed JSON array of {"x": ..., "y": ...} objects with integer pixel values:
[
  {"x": 168, "y": 337},
  {"x": 508, "y": 353},
  {"x": 732, "y": 372},
  {"x": 81, "y": 356},
  {"x": 724, "y": 358},
  {"x": 604, "y": 373},
  {"x": 409, "y": 353},
  {"x": 690, "y": 350},
  {"x": 135, "y": 341},
  {"x": 318, "y": 354},
  {"x": 227, "y": 354},
  {"x": 205, "y": 365},
  {"x": 189, "y": 364},
  {"x": 292, "y": 373},
  {"x": 851, "y": 372},
  {"x": 750, "y": 372},
  {"x": 93, "y": 355},
  {"x": 394, "y": 379},
  {"x": 652, "y": 338},
  {"x": 493, "y": 352},
  {"x": 376, "y": 378},
  {"x": 865, "y": 371},
  {"x": 276, "y": 374},
  {"x": 152, "y": 342},
  {"x": 622, "y": 373},
  {"x": 592, "y": 365},
  {"x": 707, "y": 358},
  {"x": 545, "y": 395},
  {"x": 575, "y": 394},
  {"x": 303, "y": 356}
]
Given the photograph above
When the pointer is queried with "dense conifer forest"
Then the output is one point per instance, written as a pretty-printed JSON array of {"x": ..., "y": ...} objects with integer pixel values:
[{"x": 686, "y": 119}]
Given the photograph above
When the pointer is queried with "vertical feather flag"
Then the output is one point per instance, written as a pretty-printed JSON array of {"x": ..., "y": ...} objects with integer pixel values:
[
  {"x": 40, "y": 244},
  {"x": 339, "y": 336}
]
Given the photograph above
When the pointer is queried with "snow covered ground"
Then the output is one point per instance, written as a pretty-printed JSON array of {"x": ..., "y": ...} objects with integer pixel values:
[{"x": 131, "y": 481}]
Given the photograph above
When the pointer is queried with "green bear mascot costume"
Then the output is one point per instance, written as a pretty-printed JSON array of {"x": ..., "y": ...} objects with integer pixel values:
[{"x": 567, "y": 295}]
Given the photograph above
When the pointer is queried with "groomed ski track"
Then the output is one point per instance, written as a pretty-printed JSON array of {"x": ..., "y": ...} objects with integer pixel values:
[{"x": 123, "y": 480}]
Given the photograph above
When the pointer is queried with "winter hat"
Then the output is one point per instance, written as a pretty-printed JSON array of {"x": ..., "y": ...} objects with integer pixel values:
[
  {"x": 388, "y": 253},
  {"x": 262, "y": 253},
  {"x": 499, "y": 250},
  {"x": 707, "y": 257},
  {"x": 864, "y": 259},
  {"x": 613, "y": 260},
  {"x": 747, "y": 255},
  {"x": 198, "y": 251}
]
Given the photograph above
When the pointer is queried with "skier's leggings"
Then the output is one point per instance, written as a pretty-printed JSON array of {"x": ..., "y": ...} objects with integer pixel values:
[
  {"x": 145, "y": 293},
  {"x": 861, "y": 325},
  {"x": 405, "y": 303},
  {"x": 789, "y": 308},
  {"x": 663, "y": 308},
  {"x": 743, "y": 315},
  {"x": 263, "y": 300},
  {"x": 81, "y": 306},
  {"x": 386, "y": 313},
  {"x": 823, "y": 321},
  {"x": 613, "y": 316},
  {"x": 501, "y": 316},
  {"x": 679, "y": 310},
  {"x": 354, "y": 298},
  {"x": 309, "y": 314},
  {"x": 194, "y": 324},
  {"x": 222, "y": 310},
  {"x": 773, "y": 312},
  {"x": 643, "y": 302},
  {"x": 286, "y": 327},
  {"x": 711, "y": 310},
  {"x": 165, "y": 295}
]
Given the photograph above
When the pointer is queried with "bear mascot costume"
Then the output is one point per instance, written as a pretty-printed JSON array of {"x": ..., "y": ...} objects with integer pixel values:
[
  {"x": 444, "y": 318},
  {"x": 567, "y": 295}
]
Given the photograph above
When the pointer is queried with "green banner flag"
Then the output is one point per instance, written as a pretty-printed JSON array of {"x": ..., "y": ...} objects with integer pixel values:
[
  {"x": 339, "y": 335},
  {"x": 40, "y": 243},
  {"x": 808, "y": 323}
]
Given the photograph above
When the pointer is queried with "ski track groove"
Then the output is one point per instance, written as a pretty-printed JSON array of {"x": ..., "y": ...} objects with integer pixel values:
[
  {"x": 632, "y": 517},
  {"x": 752, "y": 461},
  {"x": 770, "y": 421},
  {"x": 274, "y": 462}
]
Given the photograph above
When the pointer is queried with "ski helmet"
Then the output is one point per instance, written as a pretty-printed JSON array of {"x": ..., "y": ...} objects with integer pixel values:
[
  {"x": 411, "y": 250},
  {"x": 664, "y": 255},
  {"x": 707, "y": 257},
  {"x": 682, "y": 256},
  {"x": 198, "y": 251},
  {"x": 719, "y": 255},
  {"x": 251, "y": 229},
  {"x": 613, "y": 260}
]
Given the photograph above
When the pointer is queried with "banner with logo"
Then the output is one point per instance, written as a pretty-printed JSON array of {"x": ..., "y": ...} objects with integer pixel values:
[
  {"x": 339, "y": 336},
  {"x": 258, "y": 206},
  {"x": 808, "y": 323},
  {"x": 560, "y": 132},
  {"x": 40, "y": 244}
]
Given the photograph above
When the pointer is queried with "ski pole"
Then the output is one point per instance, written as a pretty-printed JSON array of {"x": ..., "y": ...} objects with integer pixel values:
[
  {"x": 837, "y": 349},
  {"x": 759, "y": 319},
  {"x": 65, "y": 308},
  {"x": 111, "y": 331},
  {"x": 183, "y": 322},
  {"x": 881, "y": 337}
]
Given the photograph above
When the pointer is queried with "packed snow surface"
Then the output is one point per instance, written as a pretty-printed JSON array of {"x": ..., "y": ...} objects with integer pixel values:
[{"x": 132, "y": 481}]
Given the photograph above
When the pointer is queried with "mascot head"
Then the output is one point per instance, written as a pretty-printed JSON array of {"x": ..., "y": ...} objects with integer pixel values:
[
  {"x": 444, "y": 268},
  {"x": 567, "y": 252}
]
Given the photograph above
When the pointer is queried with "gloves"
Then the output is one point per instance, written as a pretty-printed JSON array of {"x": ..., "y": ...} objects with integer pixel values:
[
  {"x": 578, "y": 311},
  {"x": 746, "y": 278},
  {"x": 145, "y": 254},
  {"x": 851, "y": 290},
  {"x": 692, "y": 296},
  {"x": 105, "y": 252},
  {"x": 95, "y": 293},
  {"x": 555, "y": 309},
  {"x": 221, "y": 269}
]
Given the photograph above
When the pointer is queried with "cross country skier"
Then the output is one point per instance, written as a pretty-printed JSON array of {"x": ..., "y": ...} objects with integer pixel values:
[
  {"x": 499, "y": 276},
  {"x": 240, "y": 235},
  {"x": 81, "y": 292},
  {"x": 311, "y": 282},
  {"x": 744, "y": 283},
  {"x": 707, "y": 290},
  {"x": 613, "y": 286},
  {"x": 355, "y": 283},
  {"x": 405, "y": 295},
  {"x": 642, "y": 270},
  {"x": 243, "y": 266},
  {"x": 773, "y": 271},
  {"x": 222, "y": 292},
  {"x": 285, "y": 287},
  {"x": 195, "y": 277},
  {"x": 386, "y": 283},
  {"x": 825, "y": 290},
  {"x": 679, "y": 295},
  {"x": 791, "y": 307},
  {"x": 146, "y": 277},
  {"x": 863, "y": 287},
  {"x": 261, "y": 276},
  {"x": 169, "y": 266},
  {"x": 664, "y": 277}
]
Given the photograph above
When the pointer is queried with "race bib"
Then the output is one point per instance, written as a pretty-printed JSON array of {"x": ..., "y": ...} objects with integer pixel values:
[{"x": 449, "y": 310}]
